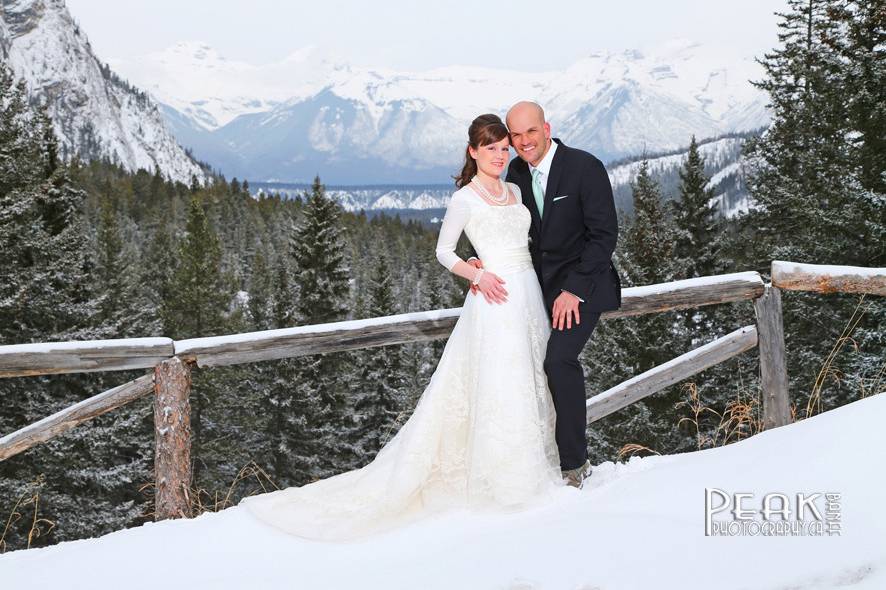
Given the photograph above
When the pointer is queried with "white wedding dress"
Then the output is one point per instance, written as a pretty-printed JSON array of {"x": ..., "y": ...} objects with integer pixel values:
[{"x": 481, "y": 436}]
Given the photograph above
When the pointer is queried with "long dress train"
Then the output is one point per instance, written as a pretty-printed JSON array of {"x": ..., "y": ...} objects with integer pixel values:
[{"x": 482, "y": 433}]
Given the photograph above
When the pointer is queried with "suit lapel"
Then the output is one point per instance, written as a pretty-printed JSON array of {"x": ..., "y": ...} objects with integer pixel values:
[
  {"x": 524, "y": 181},
  {"x": 554, "y": 175}
]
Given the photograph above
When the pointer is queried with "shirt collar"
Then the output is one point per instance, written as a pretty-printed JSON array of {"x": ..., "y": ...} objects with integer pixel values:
[{"x": 545, "y": 165}]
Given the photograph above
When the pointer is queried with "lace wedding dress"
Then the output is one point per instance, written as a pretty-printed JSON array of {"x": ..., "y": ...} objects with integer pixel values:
[{"x": 481, "y": 436}]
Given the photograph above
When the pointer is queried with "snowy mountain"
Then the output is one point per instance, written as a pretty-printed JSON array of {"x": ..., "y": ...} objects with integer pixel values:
[
  {"x": 95, "y": 113},
  {"x": 310, "y": 114},
  {"x": 722, "y": 163},
  {"x": 635, "y": 525}
]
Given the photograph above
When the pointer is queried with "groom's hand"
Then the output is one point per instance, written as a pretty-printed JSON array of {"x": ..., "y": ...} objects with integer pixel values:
[
  {"x": 475, "y": 262},
  {"x": 565, "y": 305}
]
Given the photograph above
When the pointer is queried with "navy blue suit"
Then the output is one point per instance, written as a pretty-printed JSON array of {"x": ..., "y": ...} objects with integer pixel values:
[{"x": 571, "y": 248}]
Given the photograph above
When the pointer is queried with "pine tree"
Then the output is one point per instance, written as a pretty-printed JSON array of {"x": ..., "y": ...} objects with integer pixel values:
[
  {"x": 195, "y": 306},
  {"x": 260, "y": 293},
  {"x": 46, "y": 292},
  {"x": 695, "y": 218},
  {"x": 200, "y": 295},
  {"x": 321, "y": 279},
  {"x": 316, "y": 247},
  {"x": 380, "y": 390},
  {"x": 649, "y": 240},
  {"x": 23, "y": 151},
  {"x": 807, "y": 205},
  {"x": 814, "y": 179},
  {"x": 861, "y": 49}
]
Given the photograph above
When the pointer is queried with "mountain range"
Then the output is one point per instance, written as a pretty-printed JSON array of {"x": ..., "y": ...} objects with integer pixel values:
[
  {"x": 310, "y": 114},
  {"x": 722, "y": 164}
]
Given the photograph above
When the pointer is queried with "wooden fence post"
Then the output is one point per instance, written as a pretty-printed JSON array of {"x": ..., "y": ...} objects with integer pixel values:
[
  {"x": 773, "y": 370},
  {"x": 172, "y": 435}
]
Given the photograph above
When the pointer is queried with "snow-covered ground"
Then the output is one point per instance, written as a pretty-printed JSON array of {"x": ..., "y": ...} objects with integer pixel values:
[{"x": 638, "y": 524}]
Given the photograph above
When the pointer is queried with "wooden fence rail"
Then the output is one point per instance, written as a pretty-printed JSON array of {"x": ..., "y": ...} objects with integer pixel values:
[
  {"x": 66, "y": 419},
  {"x": 667, "y": 374},
  {"x": 172, "y": 361},
  {"x": 824, "y": 278},
  {"x": 135, "y": 353}
]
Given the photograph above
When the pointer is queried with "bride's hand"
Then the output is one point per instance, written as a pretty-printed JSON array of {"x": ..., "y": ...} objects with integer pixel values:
[
  {"x": 476, "y": 263},
  {"x": 490, "y": 284}
]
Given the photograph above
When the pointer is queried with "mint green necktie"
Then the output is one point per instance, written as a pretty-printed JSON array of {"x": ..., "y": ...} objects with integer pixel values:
[{"x": 537, "y": 191}]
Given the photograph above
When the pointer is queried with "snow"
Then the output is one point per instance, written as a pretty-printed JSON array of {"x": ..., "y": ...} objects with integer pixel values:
[
  {"x": 185, "y": 346},
  {"x": 749, "y": 276},
  {"x": 832, "y": 270},
  {"x": 716, "y": 154},
  {"x": 635, "y": 525},
  {"x": 85, "y": 345}
]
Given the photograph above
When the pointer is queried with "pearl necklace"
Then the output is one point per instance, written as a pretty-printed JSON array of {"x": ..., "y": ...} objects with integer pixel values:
[{"x": 498, "y": 200}]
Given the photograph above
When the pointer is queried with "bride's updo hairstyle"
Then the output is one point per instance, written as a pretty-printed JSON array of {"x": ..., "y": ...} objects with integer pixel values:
[{"x": 484, "y": 130}]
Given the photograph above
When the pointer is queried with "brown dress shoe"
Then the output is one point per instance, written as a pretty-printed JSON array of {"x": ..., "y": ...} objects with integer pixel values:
[{"x": 576, "y": 477}]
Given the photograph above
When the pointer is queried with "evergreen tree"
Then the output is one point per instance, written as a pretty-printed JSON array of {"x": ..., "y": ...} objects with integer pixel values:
[
  {"x": 862, "y": 50},
  {"x": 260, "y": 293},
  {"x": 814, "y": 181},
  {"x": 195, "y": 306},
  {"x": 695, "y": 218},
  {"x": 380, "y": 390},
  {"x": 321, "y": 274},
  {"x": 806, "y": 187},
  {"x": 321, "y": 279},
  {"x": 200, "y": 294},
  {"x": 121, "y": 308},
  {"x": 49, "y": 143},
  {"x": 22, "y": 153},
  {"x": 649, "y": 241}
]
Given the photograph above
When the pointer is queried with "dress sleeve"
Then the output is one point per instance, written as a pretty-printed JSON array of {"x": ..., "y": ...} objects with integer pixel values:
[{"x": 457, "y": 214}]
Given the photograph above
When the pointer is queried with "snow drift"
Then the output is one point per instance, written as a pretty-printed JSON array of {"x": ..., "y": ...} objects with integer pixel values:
[{"x": 638, "y": 524}]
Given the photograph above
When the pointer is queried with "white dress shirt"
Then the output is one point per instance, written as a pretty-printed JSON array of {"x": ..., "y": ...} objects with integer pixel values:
[{"x": 545, "y": 166}]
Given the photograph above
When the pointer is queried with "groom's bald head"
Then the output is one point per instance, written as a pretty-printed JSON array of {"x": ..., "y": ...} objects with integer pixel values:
[
  {"x": 530, "y": 133},
  {"x": 524, "y": 109}
]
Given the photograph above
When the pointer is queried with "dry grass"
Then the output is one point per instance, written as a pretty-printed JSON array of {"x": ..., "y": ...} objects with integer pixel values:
[
  {"x": 697, "y": 410},
  {"x": 37, "y": 522},
  {"x": 632, "y": 448},
  {"x": 828, "y": 370},
  {"x": 878, "y": 385},
  {"x": 395, "y": 426},
  {"x": 742, "y": 417},
  {"x": 203, "y": 500}
]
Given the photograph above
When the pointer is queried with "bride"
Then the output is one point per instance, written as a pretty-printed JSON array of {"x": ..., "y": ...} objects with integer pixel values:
[{"x": 481, "y": 436}]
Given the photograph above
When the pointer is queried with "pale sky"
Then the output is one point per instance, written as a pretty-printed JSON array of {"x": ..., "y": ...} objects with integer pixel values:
[{"x": 413, "y": 35}]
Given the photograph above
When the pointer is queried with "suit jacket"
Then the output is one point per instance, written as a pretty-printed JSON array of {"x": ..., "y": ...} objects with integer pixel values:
[{"x": 572, "y": 245}]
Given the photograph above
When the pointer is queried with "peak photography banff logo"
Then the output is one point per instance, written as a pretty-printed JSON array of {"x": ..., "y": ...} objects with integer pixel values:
[{"x": 772, "y": 515}]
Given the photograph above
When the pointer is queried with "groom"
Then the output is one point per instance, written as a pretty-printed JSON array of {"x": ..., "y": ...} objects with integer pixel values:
[{"x": 571, "y": 240}]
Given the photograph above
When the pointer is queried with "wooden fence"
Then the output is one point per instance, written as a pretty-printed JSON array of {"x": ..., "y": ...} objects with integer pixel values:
[{"x": 172, "y": 361}]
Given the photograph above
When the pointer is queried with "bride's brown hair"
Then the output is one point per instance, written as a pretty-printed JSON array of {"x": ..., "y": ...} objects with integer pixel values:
[{"x": 484, "y": 130}]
